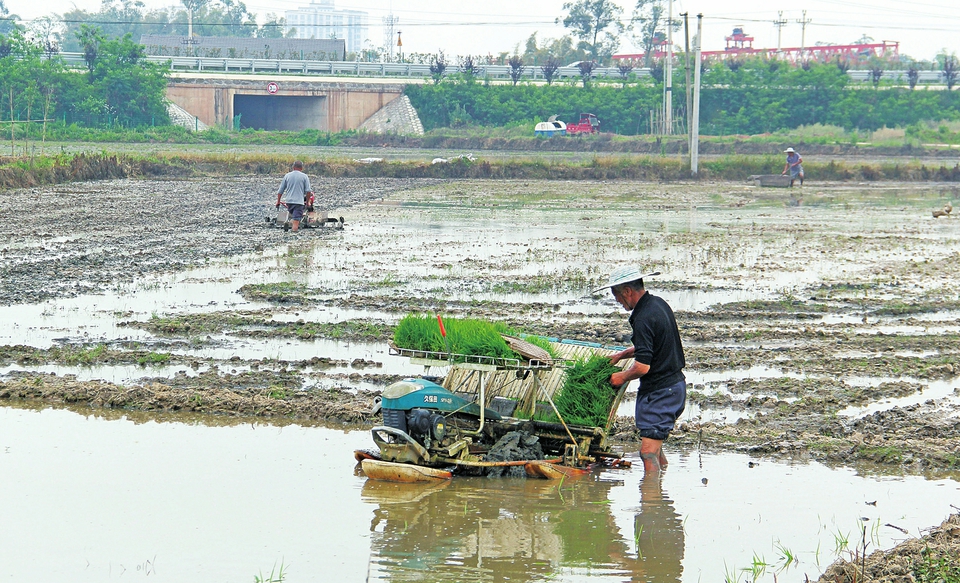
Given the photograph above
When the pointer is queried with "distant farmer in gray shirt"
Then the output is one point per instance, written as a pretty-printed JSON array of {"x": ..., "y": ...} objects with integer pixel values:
[{"x": 294, "y": 189}]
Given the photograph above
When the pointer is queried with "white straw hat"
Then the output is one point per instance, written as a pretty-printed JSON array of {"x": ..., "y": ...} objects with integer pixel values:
[
  {"x": 789, "y": 151},
  {"x": 623, "y": 275}
]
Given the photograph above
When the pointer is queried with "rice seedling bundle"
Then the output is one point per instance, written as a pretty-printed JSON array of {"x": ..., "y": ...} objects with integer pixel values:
[
  {"x": 586, "y": 395},
  {"x": 464, "y": 335}
]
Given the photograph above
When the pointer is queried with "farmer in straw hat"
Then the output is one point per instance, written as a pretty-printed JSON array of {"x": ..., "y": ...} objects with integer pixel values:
[
  {"x": 657, "y": 362},
  {"x": 794, "y": 166}
]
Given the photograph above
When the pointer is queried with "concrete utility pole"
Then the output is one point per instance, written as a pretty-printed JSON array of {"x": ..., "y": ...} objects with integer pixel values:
[
  {"x": 695, "y": 131},
  {"x": 803, "y": 32},
  {"x": 686, "y": 71},
  {"x": 668, "y": 86},
  {"x": 779, "y": 23}
]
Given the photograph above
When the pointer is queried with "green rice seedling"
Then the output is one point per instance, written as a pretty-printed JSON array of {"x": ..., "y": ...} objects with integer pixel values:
[
  {"x": 840, "y": 541},
  {"x": 464, "y": 336},
  {"x": 418, "y": 332},
  {"x": 758, "y": 566},
  {"x": 83, "y": 355},
  {"x": 786, "y": 556},
  {"x": 153, "y": 358},
  {"x": 476, "y": 337},
  {"x": 586, "y": 395},
  {"x": 275, "y": 576},
  {"x": 636, "y": 540},
  {"x": 730, "y": 575}
]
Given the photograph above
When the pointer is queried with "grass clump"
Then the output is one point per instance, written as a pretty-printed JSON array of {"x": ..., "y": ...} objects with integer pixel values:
[
  {"x": 464, "y": 336},
  {"x": 586, "y": 395},
  {"x": 937, "y": 567},
  {"x": 84, "y": 355},
  {"x": 153, "y": 358}
]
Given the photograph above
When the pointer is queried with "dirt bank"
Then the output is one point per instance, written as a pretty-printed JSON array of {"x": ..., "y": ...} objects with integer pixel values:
[{"x": 932, "y": 557}]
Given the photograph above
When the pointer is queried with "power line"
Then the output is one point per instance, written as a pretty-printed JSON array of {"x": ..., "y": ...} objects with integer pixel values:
[{"x": 841, "y": 24}]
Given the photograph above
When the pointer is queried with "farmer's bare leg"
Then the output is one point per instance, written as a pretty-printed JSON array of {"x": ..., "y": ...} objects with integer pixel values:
[
  {"x": 651, "y": 452},
  {"x": 295, "y": 224}
]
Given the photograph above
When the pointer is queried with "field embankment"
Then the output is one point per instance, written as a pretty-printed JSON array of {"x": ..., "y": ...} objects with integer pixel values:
[{"x": 35, "y": 171}]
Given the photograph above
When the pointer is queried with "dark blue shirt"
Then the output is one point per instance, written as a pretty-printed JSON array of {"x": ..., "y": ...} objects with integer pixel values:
[{"x": 656, "y": 343}]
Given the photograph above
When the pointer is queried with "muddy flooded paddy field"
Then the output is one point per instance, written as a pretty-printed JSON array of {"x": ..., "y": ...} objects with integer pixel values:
[
  {"x": 820, "y": 327},
  {"x": 184, "y": 497}
]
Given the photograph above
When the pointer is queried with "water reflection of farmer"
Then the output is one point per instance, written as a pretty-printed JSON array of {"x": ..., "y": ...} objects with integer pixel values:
[
  {"x": 658, "y": 362},
  {"x": 510, "y": 530},
  {"x": 794, "y": 166},
  {"x": 658, "y": 532}
]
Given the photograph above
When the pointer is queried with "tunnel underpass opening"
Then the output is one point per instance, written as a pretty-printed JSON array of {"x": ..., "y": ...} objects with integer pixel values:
[{"x": 281, "y": 112}]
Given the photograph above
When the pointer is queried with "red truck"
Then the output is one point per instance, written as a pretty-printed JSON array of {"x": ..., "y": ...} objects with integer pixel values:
[{"x": 588, "y": 124}]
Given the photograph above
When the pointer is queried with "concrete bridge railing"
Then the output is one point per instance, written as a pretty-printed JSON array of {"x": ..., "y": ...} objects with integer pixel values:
[{"x": 413, "y": 71}]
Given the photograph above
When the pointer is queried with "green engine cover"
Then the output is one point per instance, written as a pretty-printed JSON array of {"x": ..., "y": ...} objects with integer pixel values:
[{"x": 423, "y": 394}]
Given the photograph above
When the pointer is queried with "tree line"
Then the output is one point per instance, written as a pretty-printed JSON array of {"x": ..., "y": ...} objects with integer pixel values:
[
  {"x": 752, "y": 96},
  {"x": 118, "y": 88}
]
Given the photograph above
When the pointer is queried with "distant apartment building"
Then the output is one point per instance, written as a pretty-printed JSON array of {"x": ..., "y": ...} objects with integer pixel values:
[{"x": 320, "y": 20}]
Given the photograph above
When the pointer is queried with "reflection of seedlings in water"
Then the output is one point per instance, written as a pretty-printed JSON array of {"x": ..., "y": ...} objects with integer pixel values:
[
  {"x": 841, "y": 542},
  {"x": 787, "y": 558},
  {"x": 731, "y": 574},
  {"x": 149, "y": 566},
  {"x": 636, "y": 540},
  {"x": 758, "y": 566}
]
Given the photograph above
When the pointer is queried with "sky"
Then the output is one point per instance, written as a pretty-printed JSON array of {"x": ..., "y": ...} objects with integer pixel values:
[{"x": 922, "y": 27}]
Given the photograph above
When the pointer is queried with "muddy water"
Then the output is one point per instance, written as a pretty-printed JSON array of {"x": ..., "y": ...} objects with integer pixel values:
[
  {"x": 122, "y": 496},
  {"x": 822, "y": 358}
]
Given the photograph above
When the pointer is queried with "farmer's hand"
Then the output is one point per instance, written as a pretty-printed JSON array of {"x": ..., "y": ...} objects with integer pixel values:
[
  {"x": 618, "y": 356},
  {"x": 278, "y": 206}
]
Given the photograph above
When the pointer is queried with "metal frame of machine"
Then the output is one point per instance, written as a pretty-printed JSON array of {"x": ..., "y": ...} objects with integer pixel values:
[{"x": 432, "y": 432}]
